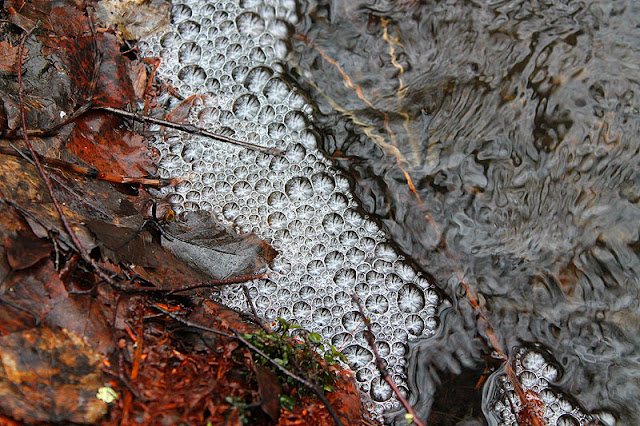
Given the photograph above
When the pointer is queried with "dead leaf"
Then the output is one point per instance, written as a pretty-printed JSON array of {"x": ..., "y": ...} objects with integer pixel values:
[
  {"x": 9, "y": 57},
  {"x": 270, "y": 389},
  {"x": 133, "y": 19},
  {"x": 50, "y": 376},
  {"x": 99, "y": 140},
  {"x": 180, "y": 113},
  {"x": 205, "y": 244}
]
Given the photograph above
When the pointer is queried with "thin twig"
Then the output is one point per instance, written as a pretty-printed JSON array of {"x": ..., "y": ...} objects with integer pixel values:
[
  {"x": 190, "y": 128},
  {"x": 237, "y": 335},
  {"x": 47, "y": 182},
  {"x": 89, "y": 172},
  {"x": 254, "y": 313},
  {"x": 382, "y": 369}
]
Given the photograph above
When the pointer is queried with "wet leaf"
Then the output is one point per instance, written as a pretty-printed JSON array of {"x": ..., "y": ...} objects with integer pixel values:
[
  {"x": 270, "y": 389},
  {"x": 202, "y": 242},
  {"x": 99, "y": 140},
  {"x": 49, "y": 376},
  {"x": 8, "y": 57},
  {"x": 133, "y": 19}
]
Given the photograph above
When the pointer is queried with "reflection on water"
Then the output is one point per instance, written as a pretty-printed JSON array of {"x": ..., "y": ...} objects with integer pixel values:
[{"x": 518, "y": 124}]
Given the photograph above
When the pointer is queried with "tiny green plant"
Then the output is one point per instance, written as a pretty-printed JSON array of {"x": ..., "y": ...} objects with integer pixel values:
[{"x": 299, "y": 351}]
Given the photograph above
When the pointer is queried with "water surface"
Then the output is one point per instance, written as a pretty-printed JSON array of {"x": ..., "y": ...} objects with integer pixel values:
[{"x": 517, "y": 123}]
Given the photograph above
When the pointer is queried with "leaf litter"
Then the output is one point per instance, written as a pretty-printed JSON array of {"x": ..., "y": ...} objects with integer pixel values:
[{"x": 152, "y": 348}]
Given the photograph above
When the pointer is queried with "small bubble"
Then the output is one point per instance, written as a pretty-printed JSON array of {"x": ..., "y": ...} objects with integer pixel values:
[
  {"x": 430, "y": 324},
  {"x": 309, "y": 139},
  {"x": 234, "y": 51},
  {"x": 342, "y": 298},
  {"x": 257, "y": 55},
  {"x": 318, "y": 250},
  {"x": 384, "y": 349},
  {"x": 361, "y": 289},
  {"x": 345, "y": 278},
  {"x": 305, "y": 212},
  {"x": 230, "y": 211},
  {"x": 276, "y": 90},
  {"x": 295, "y": 120},
  {"x": 189, "y": 30},
  {"x": 279, "y": 164},
  {"x": 257, "y": 78},
  {"x": 246, "y": 107},
  {"x": 338, "y": 202},
  {"x": 192, "y": 75},
  {"x": 284, "y": 312},
  {"x": 322, "y": 316},
  {"x": 262, "y": 302},
  {"x": 380, "y": 390},
  {"x": 267, "y": 114},
  {"x": 238, "y": 74},
  {"x": 222, "y": 187},
  {"x": 277, "y": 220},
  {"x": 410, "y": 298},
  {"x": 333, "y": 224},
  {"x": 334, "y": 260},
  {"x": 533, "y": 361},
  {"x": 277, "y": 200},
  {"x": 315, "y": 267},
  {"x": 180, "y": 12},
  {"x": 364, "y": 374},
  {"x": 550, "y": 373},
  {"x": 298, "y": 189},
  {"x": 250, "y": 24},
  {"x": 301, "y": 309},
  {"x": 567, "y": 420},
  {"x": 216, "y": 61},
  {"x": 377, "y": 303},
  {"x": 170, "y": 39},
  {"x": 189, "y": 53},
  {"x": 348, "y": 238},
  {"x": 386, "y": 252},
  {"x": 405, "y": 271},
  {"x": 296, "y": 153},
  {"x": 358, "y": 356},
  {"x": 355, "y": 256},
  {"x": 323, "y": 183},
  {"x": 528, "y": 379}
]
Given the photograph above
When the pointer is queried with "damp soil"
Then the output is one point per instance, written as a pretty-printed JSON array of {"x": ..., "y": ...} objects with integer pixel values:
[{"x": 497, "y": 142}]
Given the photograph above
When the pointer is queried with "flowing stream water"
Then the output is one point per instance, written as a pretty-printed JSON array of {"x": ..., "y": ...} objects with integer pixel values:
[{"x": 469, "y": 169}]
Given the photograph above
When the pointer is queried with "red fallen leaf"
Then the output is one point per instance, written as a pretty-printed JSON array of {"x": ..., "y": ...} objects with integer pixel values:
[
  {"x": 98, "y": 139},
  {"x": 113, "y": 87},
  {"x": 181, "y": 112},
  {"x": 9, "y": 57},
  {"x": 269, "y": 389},
  {"x": 138, "y": 77}
]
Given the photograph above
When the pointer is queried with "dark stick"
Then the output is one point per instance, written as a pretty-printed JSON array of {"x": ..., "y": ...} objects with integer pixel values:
[
  {"x": 45, "y": 178},
  {"x": 237, "y": 335},
  {"x": 382, "y": 368},
  {"x": 256, "y": 318},
  {"x": 190, "y": 128}
]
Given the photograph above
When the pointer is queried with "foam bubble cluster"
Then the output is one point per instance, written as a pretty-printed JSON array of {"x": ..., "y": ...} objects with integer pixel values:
[
  {"x": 329, "y": 249},
  {"x": 538, "y": 377}
]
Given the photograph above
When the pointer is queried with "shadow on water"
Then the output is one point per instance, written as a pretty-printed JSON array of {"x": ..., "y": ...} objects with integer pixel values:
[{"x": 518, "y": 122}]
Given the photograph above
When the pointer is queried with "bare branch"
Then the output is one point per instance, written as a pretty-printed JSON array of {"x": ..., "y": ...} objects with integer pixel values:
[{"x": 382, "y": 368}]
